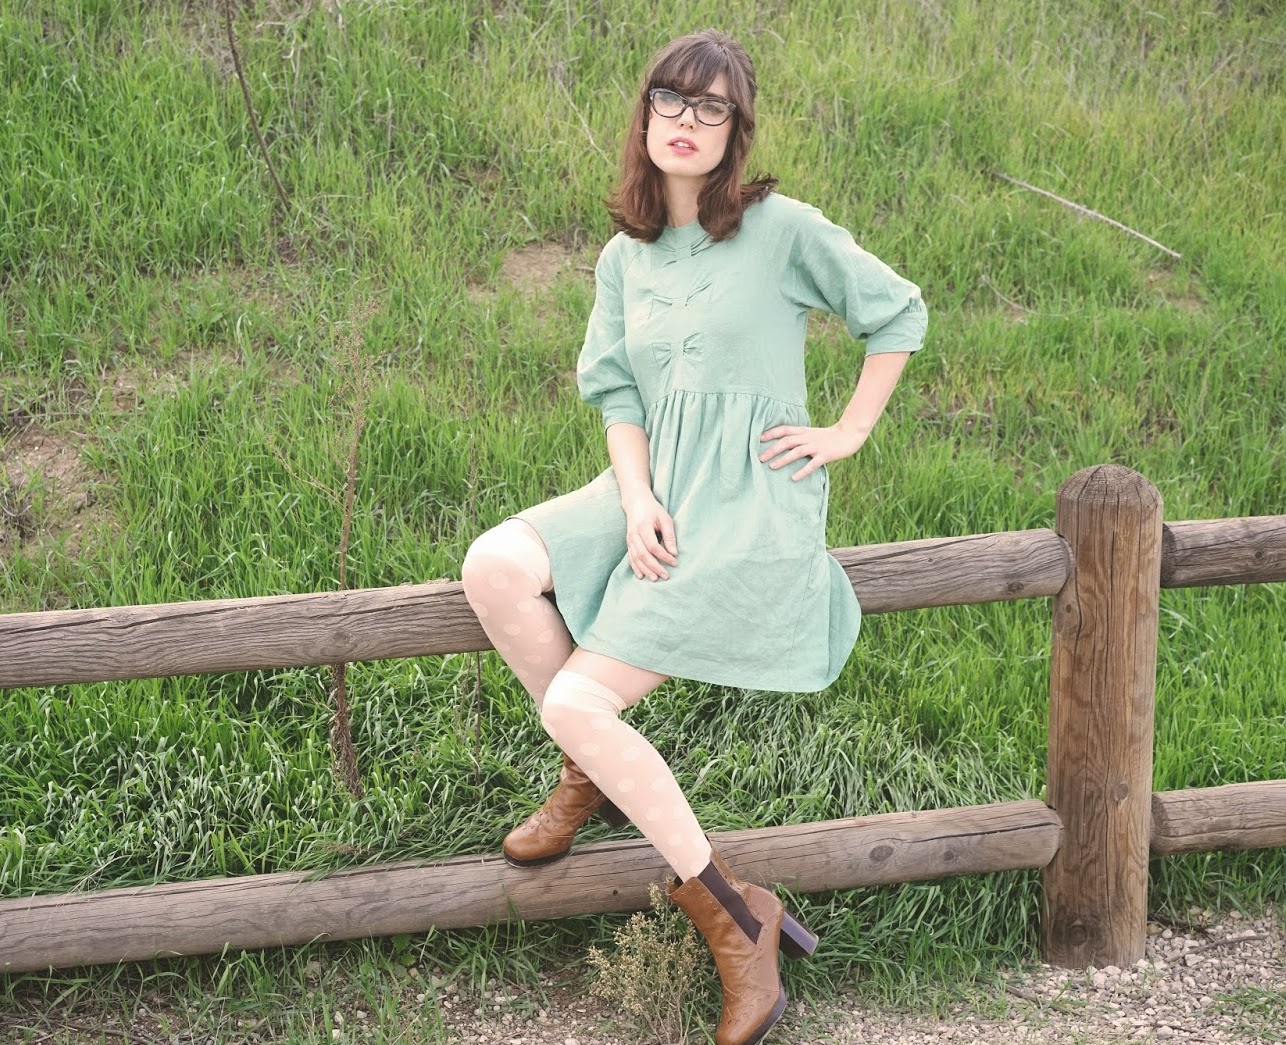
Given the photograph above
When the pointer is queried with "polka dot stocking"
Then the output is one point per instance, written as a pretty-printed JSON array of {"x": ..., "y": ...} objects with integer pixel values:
[
  {"x": 505, "y": 573},
  {"x": 583, "y": 717}
]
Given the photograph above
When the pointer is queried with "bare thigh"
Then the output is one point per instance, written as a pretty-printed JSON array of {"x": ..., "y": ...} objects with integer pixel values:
[
  {"x": 540, "y": 543},
  {"x": 629, "y": 682}
]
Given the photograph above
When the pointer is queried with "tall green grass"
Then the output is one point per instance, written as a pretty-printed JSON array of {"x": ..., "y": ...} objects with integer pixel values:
[{"x": 420, "y": 143}]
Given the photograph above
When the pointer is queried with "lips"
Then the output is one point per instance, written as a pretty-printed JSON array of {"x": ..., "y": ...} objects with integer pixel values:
[{"x": 682, "y": 144}]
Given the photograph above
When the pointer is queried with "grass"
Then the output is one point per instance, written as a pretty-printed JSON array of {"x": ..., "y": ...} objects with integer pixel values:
[{"x": 157, "y": 319}]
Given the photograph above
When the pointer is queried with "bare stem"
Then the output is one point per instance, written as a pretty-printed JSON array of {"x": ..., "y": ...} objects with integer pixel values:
[
  {"x": 250, "y": 108},
  {"x": 1087, "y": 212}
]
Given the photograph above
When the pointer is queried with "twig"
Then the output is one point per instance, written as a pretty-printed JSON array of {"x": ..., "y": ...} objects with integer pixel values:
[
  {"x": 472, "y": 508},
  {"x": 1014, "y": 304},
  {"x": 1231, "y": 941},
  {"x": 345, "y": 753},
  {"x": 250, "y": 108},
  {"x": 588, "y": 134},
  {"x": 1087, "y": 212}
]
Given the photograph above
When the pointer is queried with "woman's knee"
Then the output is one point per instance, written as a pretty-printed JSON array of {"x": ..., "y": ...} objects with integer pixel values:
[
  {"x": 573, "y": 699},
  {"x": 499, "y": 556},
  {"x": 488, "y": 563}
]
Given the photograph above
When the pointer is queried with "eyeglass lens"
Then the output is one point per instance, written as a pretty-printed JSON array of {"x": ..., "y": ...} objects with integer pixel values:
[{"x": 710, "y": 111}]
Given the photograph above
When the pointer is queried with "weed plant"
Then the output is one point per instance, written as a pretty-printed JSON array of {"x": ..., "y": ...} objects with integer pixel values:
[{"x": 167, "y": 342}]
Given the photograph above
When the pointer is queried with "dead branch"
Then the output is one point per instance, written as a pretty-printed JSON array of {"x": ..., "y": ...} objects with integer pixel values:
[
  {"x": 1087, "y": 212},
  {"x": 250, "y": 108}
]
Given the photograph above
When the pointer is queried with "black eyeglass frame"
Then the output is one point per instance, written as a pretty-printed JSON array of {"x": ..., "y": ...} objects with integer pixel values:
[{"x": 691, "y": 103}]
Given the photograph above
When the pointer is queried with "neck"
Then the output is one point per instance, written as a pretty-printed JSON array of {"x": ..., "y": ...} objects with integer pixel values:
[{"x": 681, "y": 199}]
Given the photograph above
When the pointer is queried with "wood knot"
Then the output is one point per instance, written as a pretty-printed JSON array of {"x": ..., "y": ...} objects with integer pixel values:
[{"x": 881, "y": 853}]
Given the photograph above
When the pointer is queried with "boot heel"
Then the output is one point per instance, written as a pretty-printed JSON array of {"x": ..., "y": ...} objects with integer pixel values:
[
  {"x": 611, "y": 814},
  {"x": 796, "y": 941}
]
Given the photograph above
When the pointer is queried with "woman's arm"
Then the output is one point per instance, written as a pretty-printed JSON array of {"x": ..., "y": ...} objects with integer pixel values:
[
  {"x": 880, "y": 372},
  {"x": 845, "y": 437},
  {"x": 627, "y": 445}
]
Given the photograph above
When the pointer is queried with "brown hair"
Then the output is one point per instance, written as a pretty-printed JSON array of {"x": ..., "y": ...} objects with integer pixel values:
[{"x": 689, "y": 65}]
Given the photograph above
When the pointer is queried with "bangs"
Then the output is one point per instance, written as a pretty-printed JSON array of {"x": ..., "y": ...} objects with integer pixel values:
[{"x": 692, "y": 71}]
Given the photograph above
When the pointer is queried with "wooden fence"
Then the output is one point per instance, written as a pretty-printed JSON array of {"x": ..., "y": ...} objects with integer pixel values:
[{"x": 1104, "y": 564}]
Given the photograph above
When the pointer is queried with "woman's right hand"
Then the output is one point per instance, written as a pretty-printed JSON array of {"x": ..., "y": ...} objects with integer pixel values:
[{"x": 645, "y": 517}]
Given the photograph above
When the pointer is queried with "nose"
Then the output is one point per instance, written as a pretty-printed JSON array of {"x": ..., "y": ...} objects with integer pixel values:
[{"x": 683, "y": 116}]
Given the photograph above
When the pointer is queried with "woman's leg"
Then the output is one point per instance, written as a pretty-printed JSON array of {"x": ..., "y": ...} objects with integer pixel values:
[
  {"x": 505, "y": 573},
  {"x": 581, "y": 712}
]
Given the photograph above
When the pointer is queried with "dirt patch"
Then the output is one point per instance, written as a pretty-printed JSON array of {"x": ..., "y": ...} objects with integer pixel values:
[
  {"x": 46, "y": 491},
  {"x": 1176, "y": 291},
  {"x": 534, "y": 269}
]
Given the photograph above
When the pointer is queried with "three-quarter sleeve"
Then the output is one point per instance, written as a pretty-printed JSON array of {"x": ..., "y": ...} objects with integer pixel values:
[
  {"x": 603, "y": 373},
  {"x": 826, "y": 269}
]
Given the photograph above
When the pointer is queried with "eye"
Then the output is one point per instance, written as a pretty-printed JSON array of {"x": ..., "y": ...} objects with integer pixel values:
[{"x": 666, "y": 103}]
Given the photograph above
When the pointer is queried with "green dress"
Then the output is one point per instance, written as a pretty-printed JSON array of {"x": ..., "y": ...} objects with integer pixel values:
[{"x": 701, "y": 343}]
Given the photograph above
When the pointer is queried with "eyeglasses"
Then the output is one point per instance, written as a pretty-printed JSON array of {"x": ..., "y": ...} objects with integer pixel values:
[{"x": 710, "y": 111}]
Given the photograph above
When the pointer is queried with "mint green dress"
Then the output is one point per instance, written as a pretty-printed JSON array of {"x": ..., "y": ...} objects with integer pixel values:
[{"x": 701, "y": 343}]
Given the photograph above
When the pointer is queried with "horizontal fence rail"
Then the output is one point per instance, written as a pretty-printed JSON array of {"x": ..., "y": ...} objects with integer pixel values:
[
  {"x": 57, "y": 647},
  {"x": 1234, "y": 816},
  {"x": 142, "y": 923}
]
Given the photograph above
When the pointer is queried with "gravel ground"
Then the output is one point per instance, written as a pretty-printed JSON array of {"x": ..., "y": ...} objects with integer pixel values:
[{"x": 1217, "y": 981}]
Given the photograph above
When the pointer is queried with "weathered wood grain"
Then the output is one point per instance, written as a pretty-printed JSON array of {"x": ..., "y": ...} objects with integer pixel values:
[
  {"x": 1102, "y": 684},
  {"x": 416, "y": 620},
  {"x": 1234, "y": 816},
  {"x": 954, "y": 571},
  {"x": 132, "y": 924},
  {"x": 1223, "y": 551}
]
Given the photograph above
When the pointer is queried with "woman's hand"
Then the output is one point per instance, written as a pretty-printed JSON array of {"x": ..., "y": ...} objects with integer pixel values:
[
  {"x": 823, "y": 445},
  {"x": 644, "y": 518}
]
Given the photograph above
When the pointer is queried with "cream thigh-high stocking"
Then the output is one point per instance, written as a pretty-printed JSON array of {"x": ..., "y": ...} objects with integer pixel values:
[
  {"x": 583, "y": 717},
  {"x": 505, "y": 571}
]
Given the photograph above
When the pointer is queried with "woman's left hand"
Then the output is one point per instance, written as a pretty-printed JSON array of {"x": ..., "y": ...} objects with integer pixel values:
[{"x": 823, "y": 445}]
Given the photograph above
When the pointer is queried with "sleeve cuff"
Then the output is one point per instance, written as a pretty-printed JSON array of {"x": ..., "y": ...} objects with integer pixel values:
[
  {"x": 623, "y": 404},
  {"x": 903, "y": 333}
]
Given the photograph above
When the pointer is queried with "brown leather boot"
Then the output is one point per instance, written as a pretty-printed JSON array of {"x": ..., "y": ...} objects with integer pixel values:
[
  {"x": 547, "y": 834},
  {"x": 743, "y": 924}
]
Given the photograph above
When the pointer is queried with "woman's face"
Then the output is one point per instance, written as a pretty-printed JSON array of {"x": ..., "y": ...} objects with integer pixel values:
[{"x": 683, "y": 147}]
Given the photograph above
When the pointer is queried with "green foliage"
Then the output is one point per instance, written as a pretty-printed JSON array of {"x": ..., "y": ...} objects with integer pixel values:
[{"x": 183, "y": 349}]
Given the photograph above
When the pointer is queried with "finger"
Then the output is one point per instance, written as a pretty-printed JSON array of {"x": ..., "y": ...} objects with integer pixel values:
[
  {"x": 791, "y": 455},
  {"x": 654, "y": 569},
  {"x": 671, "y": 542},
  {"x": 657, "y": 549},
  {"x": 643, "y": 559},
  {"x": 787, "y": 441},
  {"x": 635, "y": 559}
]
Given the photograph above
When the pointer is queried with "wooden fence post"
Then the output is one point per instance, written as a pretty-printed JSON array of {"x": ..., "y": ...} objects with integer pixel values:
[{"x": 1102, "y": 687}]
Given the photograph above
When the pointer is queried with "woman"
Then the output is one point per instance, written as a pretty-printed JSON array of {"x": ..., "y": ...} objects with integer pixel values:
[{"x": 698, "y": 553}]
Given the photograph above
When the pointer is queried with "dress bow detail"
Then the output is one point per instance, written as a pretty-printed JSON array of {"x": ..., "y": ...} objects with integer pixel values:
[{"x": 689, "y": 349}]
